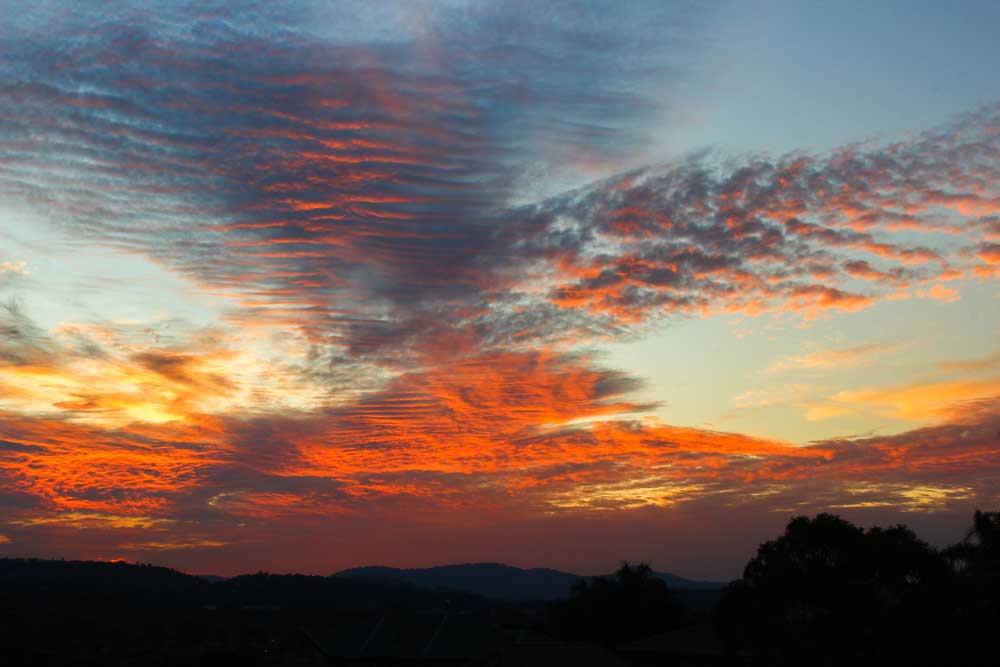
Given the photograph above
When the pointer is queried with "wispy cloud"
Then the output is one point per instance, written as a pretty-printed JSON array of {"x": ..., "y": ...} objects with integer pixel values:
[
  {"x": 781, "y": 395},
  {"x": 914, "y": 402},
  {"x": 835, "y": 358},
  {"x": 983, "y": 364}
]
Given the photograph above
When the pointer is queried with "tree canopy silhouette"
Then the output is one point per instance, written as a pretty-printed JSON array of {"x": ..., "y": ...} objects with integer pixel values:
[
  {"x": 827, "y": 588},
  {"x": 630, "y": 604},
  {"x": 976, "y": 564}
]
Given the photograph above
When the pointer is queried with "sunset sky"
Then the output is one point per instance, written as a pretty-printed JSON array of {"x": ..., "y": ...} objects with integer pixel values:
[{"x": 303, "y": 286}]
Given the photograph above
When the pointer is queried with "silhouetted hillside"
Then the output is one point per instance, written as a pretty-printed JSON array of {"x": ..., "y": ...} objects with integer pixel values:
[
  {"x": 55, "y": 613},
  {"x": 29, "y": 580},
  {"x": 494, "y": 580},
  {"x": 503, "y": 582},
  {"x": 55, "y": 580},
  {"x": 359, "y": 588}
]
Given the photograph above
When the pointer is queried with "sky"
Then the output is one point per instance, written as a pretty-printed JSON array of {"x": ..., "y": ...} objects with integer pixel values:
[{"x": 301, "y": 286}]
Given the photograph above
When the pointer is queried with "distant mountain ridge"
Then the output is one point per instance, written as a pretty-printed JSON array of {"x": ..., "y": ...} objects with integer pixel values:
[
  {"x": 468, "y": 586},
  {"x": 30, "y": 580},
  {"x": 502, "y": 582}
]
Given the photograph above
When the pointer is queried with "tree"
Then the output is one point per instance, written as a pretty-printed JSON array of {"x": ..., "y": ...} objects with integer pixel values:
[
  {"x": 979, "y": 552},
  {"x": 829, "y": 588},
  {"x": 975, "y": 562},
  {"x": 631, "y": 604}
]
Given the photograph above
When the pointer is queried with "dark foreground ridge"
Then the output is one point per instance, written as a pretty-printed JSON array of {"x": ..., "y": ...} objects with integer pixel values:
[
  {"x": 503, "y": 582},
  {"x": 823, "y": 592}
]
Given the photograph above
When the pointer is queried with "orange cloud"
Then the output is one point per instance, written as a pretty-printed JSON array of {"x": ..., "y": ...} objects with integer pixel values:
[
  {"x": 990, "y": 253},
  {"x": 517, "y": 435},
  {"x": 815, "y": 299},
  {"x": 97, "y": 475},
  {"x": 937, "y": 400},
  {"x": 940, "y": 293}
]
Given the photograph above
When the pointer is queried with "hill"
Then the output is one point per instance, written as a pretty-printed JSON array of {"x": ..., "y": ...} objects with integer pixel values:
[
  {"x": 88, "y": 582},
  {"x": 466, "y": 585},
  {"x": 503, "y": 582}
]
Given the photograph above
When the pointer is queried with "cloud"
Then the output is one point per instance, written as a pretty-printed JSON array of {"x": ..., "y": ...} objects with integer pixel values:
[
  {"x": 326, "y": 181},
  {"x": 153, "y": 546},
  {"x": 577, "y": 472},
  {"x": 834, "y": 358},
  {"x": 530, "y": 437},
  {"x": 368, "y": 194},
  {"x": 990, "y": 253},
  {"x": 760, "y": 398},
  {"x": 939, "y": 293},
  {"x": 914, "y": 402},
  {"x": 118, "y": 373},
  {"x": 10, "y": 269},
  {"x": 986, "y": 363}
]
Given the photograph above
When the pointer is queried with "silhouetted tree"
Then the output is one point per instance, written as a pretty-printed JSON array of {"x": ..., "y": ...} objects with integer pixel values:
[
  {"x": 827, "y": 588},
  {"x": 631, "y": 604},
  {"x": 975, "y": 607},
  {"x": 979, "y": 553}
]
